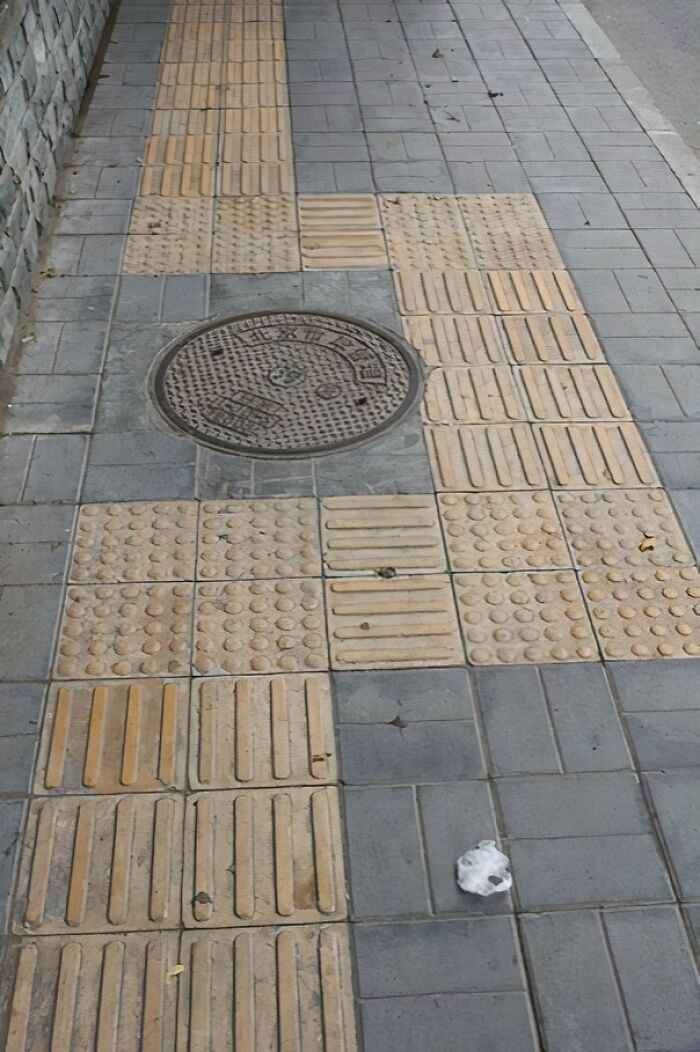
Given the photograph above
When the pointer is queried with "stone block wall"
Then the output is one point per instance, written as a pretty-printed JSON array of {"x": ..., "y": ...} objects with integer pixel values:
[{"x": 47, "y": 48}]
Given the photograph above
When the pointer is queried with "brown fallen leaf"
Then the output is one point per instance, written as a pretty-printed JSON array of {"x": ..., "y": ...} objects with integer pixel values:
[
  {"x": 177, "y": 969},
  {"x": 386, "y": 572},
  {"x": 647, "y": 544},
  {"x": 364, "y": 625}
]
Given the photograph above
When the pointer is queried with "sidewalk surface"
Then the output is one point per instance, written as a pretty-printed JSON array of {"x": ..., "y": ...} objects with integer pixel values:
[{"x": 237, "y": 763}]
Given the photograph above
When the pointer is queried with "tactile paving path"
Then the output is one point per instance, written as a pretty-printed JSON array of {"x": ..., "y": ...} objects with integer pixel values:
[
  {"x": 600, "y": 455},
  {"x": 478, "y": 394},
  {"x": 485, "y": 457},
  {"x": 253, "y": 235},
  {"x": 341, "y": 232},
  {"x": 381, "y": 535},
  {"x": 425, "y": 232},
  {"x": 455, "y": 340},
  {"x": 242, "y": 540},
  {"x": 572, "y": 392},
  {"x": 440, "y": 292},
  {"x": 508, "y": 231}
]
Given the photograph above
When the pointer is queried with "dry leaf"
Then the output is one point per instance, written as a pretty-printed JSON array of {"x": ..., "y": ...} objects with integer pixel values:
[
  {"x": 647, "y": 544},
  {"x": 177, "y": 969}
]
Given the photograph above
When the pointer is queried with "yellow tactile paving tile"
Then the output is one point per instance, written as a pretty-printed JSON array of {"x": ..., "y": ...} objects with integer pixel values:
[
  {"x": 515, "y": 618},
  {"x": 577, "y": 456},
  {"x": 260, "y": 148},
  {"x": 376, "y": 534},
  {"x": 425, "y": 232},
  {"x": 623, "y": 528},
  {"x": 190, "y": 179},
  {"x": 252, "y": 539},
  {"x": 509, "y": 232},
  {"x": 264, "y": 120},
  {"x": 405, "y": 622},
  {"x": 257, "y": 731},
  {"x": 341, "y": 232},
  {"x": 645, "y": 613},
  {"x": 100, "y": 864},
  {"x": 475, "y": 395},
  {"x": 189, "y": 97},
  {"x": 104, "y": 737},
  {"x": 440, "y": 292},
  {"x": 176, "y": 149},
  {"x": 125, "y": 630},
  {"x": 453, "y": 340},
  {"x": 135, "y": 541},
  {"x": 486, "y": 457},
  {"x": 169, "y": 217},
  {"x": 164, "y": 254},
  {"x": 263, "y": 856},
  {"x": 254, "y": 96},
  {"x": 551, "y": 339},
  {"x": 255, "y": 235},
  {"x": 194, "y": 42},
  {"x": 260, "y": 989},
  {"x": 260, "y": 626},
  {"x": 571, "y": 392},
  {"x": 255, "y": 179},
  {"x": 102, "y": 992},
  {"x": 515, "y": 291},
  {"x": 503, "y": 531}
]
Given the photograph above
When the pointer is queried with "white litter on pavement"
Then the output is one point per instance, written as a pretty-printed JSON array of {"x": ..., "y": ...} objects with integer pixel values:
[{"x": 484, "y": 870}]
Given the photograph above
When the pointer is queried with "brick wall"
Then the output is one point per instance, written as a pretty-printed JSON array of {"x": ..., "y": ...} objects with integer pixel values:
[{"x": 47, "y": 48}]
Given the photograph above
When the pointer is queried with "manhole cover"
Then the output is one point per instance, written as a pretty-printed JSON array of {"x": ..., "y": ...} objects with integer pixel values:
[{"x": 286, "y": 384}]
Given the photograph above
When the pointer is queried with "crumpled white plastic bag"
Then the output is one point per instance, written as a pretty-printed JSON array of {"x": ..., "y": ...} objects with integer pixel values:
[{"x": 484, "y": 870}]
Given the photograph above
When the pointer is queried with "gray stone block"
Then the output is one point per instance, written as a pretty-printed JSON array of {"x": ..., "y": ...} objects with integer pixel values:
[
  {"x": 46, "y": 404},
  {"x": 140, "y": 298},
  {"x": 599, "y": 291},
  {"x": 648, "y": 392},
  {"x": 586, "y": 725},
  {"x": 142, "y": 448},
  {"x": 676, "y": 797},
  {"x": 687, "y": 505},
  {"x": 666, "y": 739},
  {"x": 421, "y": 751},
  {"x": 220, "y": 477},
  {"x": 413, "y": 177},
  {"x": 289, "y": 478},
  {"x": 237, "y": 293},
  {"x": 20, "y": 709},
  {"x": 11, "y": 817},
  {"x": 15, "y": 454},
  {"x": 55, "y": 469},
  {"x": 412, "y": 694},
  {"x": 518, "y": 726},
  {"x": 16, "y": 763},
  {"x": 650, "y": 686},
  {"x": 685, "y": 383},
  {"x": 139, "y": 482},
  {"x": 27, "y": 613},
  {"x": 643, "y": 291},
  {"x": 185, "y": 298}
]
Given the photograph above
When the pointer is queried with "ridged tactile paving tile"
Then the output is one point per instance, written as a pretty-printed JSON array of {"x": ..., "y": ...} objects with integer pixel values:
[
  {"x": 106, "y": 737},
  {"x": 163, "y": 254},
  {"x": 341, "y": 232},
  {"x": 642, "y": 613},
  {"x": 515, "y": 291},
  {"x": 485, "y": 457},
  {"x": 125, "y": 630},
  {"x": 265, "y": 120},
  {"x": 256, "y": 731},
  {"x": 254, "y": 96},
  {"x": 158, "y": 216},
  {"x": 263, "y": 856},
  {"x": 600, "y": 455},
  {"x": 260, "y": 626},
  {"x": 246, "y": 147},
  {"x": 189, "y": 96},
  {"x": 100, "y": 864},
  {"x": 623, "y": 528},
  {"x": 548, "y": 339},
  {"x": 572, "y": 392},
  {"x": 503, "y": 531},
  {"x": 191, "y": 179},
  {"x": 379, "y": 534},
  {"x": 509, "y": 232},
  {"x": 475, "y": 395},
  {"x": 260, "y": 989},
  {"x": 515, "y": 618},
  {"x": 103, "y": 992},
  {"x": 452, "y": 340},
  {"x": 170, "y": 149},
  {"x": 139, "y": 541},
  {"x": 425, "y": 232},
  {"x": 255, "y": 179},
  {"x": 440, "y": 292},
  {"x": 253, "y": 539},
  {"x": 398, "y": 623}
]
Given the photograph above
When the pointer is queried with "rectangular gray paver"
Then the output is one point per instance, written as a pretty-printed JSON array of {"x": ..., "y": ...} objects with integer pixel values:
[
  {"x": 28, "y": 616},
  {"x": 600, "y": 804},
  {"x": 666, "y": 739},
  {"x": 415, "y": 751},
  {"x": 412, "y": 694},
  {"x": 11, "y": 812},
  {"x": 687, "y": 505},
  {"x": 650, "y": 686},
  {"x": 586, "y": 724},
  {"x": 676, "y": 798}
]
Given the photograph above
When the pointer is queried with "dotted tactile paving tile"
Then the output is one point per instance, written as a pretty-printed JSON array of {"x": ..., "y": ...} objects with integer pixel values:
[
  {"x": 100, "y": 864},
  {"x": 623, "y": 528},
  {"x": 435, "y": 292},
  {"x": 166, "y": 216},
  {"x": 514, "y": 618},
  {"x": 341, "y": 232},
  {"x": 268, "y": 988},
  {"x": 397, "y": 623},
  {"x": 572, "y": 392},
  {"x": 140, "y": 541},
  {"x": 260, "y": 626},
  {"x": 114, "y": 738},
  {"x": 601, "y": 455},
  {"x": 515, "y": 291},
  {"x": 125, "y": 630},
  {"x": 263, "y": 856},
  {"x": 163, "y": 254},
  {"x": 550, "y": 339},
  {"x": 425, "y": 232},
  {"x": 254, "y": 539},
  {"x": 509, "y": 232},
  {"x": 479, "y": 394},
  {"x": 640, "y": 613},
  {"x": 257, "y": 731},
  {"x": 381, "y": 534},
  {"x": 485, "y": 457},
  {"x": 103, "y": 992},
  {"x": 255, "y": 235},
  {"x": 451, "y": 340},
  {"x": 503, "y": 531}
]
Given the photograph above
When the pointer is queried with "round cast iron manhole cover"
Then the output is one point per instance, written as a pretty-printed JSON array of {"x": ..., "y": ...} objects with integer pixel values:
[{"x": 285, "y": 383}]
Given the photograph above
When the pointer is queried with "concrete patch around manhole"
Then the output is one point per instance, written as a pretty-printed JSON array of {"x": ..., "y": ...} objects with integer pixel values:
[{"x": 285, "y": 383}]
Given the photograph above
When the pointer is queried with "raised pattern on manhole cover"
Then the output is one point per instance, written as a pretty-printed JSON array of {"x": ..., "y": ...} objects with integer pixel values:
[
  {"x": 485, "y": 457},
  {"x": 255, "y": 731},
  {"x": 104, "y": 737},
  {"x": 286, "y": 383},
  {"x": 257, "y": 539},
  {"x": 454, "y": 340},
  {"x": 514, "y": 291},
  {"x": 503, "y": 531},
  {"x": 378, "y": 535},
  {"x": 548, "y": 339},
  {"x": 425, "y": 231},
  {"x": 440, "y": 292},
  {"x": 600, "y": 455},
  {"x": 288, "y": 853},
  {"x": 260, "y": 626},
  {"x": 572, "y": 392},
  {"x": 524, "y": 617},
  {"x": 618, "y": 528},
  {"x": 645, "y": 613},
  {"x": 476, "y": 395}
]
